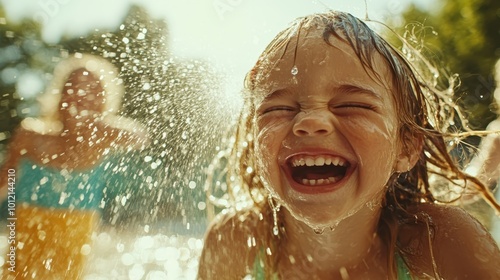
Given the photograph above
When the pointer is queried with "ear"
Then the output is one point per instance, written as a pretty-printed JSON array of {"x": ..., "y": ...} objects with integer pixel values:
[{"x": 409, "y": 153}]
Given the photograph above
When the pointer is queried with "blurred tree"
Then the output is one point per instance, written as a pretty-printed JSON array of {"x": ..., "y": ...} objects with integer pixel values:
[
  {"x": 24, "y": 60},
  {"x": 464, "y": 37}
]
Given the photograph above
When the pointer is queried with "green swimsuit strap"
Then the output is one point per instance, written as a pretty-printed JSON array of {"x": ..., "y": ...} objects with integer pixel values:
[
  {"x": 258, "y": 268},
  {"x": 259, "y": 272},
  {"x": 403, "y": 271}
]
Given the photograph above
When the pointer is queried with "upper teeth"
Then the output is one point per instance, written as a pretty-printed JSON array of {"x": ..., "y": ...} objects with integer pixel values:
[{"x": 317, "y": 161}]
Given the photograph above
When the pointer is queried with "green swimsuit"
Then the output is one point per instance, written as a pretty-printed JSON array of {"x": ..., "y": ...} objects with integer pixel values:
[{"x": 259, "y": 272}]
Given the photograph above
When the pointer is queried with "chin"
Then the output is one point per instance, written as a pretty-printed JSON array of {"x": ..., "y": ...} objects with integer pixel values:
[
  {"x": 323, "y": 211},
  {"x": 316, "y": 216}
]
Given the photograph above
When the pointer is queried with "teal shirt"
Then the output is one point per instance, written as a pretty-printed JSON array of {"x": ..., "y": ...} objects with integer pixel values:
[{"x": 55, "y": 188}]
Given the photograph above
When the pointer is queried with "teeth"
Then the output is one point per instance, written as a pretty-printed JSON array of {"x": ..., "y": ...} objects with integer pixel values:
[
  {"x": 308, "y": 182},
  {"x": 318, "y": 161},
  {"x": 328, "y": 161}
]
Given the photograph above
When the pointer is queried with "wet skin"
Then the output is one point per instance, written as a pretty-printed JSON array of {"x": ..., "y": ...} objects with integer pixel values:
[{"x": 334, "y": 110}]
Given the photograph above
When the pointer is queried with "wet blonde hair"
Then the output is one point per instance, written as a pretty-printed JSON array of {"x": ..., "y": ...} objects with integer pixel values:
[{"x": 425, "y": 115}]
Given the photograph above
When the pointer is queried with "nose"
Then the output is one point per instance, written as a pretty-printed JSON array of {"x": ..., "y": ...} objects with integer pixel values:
[{"x": 313, "y": 123}]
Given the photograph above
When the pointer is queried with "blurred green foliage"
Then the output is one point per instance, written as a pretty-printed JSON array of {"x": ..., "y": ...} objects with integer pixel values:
[
  {"x": 463, "y": 36},
  {"x": 21, "y": 51}
]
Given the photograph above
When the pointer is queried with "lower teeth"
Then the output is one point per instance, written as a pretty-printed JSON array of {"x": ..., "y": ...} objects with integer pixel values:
[{"x": 313, "y": 182}]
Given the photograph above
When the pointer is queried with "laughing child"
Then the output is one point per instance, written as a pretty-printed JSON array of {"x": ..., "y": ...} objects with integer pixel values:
[{"x": 330, "y": 163}]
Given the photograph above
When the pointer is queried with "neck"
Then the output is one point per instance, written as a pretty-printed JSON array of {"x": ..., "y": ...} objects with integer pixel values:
[{"x": 337, "y": 250}]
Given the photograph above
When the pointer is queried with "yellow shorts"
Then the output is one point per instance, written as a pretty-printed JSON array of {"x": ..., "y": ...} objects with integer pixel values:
[{"x": 51, "y": 243}]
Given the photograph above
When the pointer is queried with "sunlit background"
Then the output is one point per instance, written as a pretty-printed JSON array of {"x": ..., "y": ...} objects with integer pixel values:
[
  {"x": 229, "y": 34},
  {"x": 183, "y": 75}
]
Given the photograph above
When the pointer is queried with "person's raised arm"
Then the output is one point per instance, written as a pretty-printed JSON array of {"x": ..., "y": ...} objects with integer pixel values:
[{"x": 485, "y": 165}]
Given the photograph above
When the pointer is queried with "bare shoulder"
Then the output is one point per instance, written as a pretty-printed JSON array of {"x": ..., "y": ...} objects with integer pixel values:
[
  {"x": 452, "y": 241},
  {"x": 19, "y": 144},
  {"x": 229, "y": 247},
  {"x": 25, "y": 141}
]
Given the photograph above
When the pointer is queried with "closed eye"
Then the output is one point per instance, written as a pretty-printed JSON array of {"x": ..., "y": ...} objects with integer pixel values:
[
  {"x": 355, "y": 106},
  {"x": 278, "y": 109}
]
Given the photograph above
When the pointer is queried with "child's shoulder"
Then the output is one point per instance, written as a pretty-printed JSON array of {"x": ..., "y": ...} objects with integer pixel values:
[
  {"x": 230, "y": 245},
  {"x": 450, "y": 239},
  {"x": 239, "y": 221}
]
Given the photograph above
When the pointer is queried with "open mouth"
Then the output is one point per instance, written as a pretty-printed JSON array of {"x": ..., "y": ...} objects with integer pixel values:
[{"x": 317, "y": 170}]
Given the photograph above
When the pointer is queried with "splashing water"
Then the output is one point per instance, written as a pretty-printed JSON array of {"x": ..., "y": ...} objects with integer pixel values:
[{"x": 153, "y": 206}]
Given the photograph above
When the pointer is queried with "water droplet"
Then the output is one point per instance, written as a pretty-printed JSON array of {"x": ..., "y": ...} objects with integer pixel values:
[
  {"x": 343, "y": 273},
  {"x": 192, "y": 184},
  {"x": 44, "y": 180},
  {"x": 85, "y": 250},
  {"x": 294, "y": 70},
  {"x": 319, "y": 230},
  {"x": 202, "y": 205},
  {"x": 41, "y": 235},
  {"x": 127, "y": 259},
  {"x": 120, "y": 247},
  {"x": 268, "y": 251},
  {"x": 276, "y": 231}
]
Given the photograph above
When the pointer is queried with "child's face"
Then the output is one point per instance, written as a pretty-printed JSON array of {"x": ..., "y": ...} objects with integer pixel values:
[{"x": 332, "y": 114}]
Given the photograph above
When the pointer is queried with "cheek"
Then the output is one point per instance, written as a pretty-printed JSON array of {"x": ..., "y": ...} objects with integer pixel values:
[
  {"x": 269, "y": 137},
  {"x": 375, "y": 141},
  {"x": 365, "y": 128},
  {"x": 264, "y": 147}
]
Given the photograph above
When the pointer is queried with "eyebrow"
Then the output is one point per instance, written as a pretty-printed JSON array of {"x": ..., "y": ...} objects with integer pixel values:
[
  {"x": 344, "y": 89},
  {"x": 352, "y": 89},
  {"x": 275, "y": 94}
]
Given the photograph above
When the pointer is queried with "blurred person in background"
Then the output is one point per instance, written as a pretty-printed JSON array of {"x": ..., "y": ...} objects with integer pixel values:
[
  {"x": 486, "y": 164},
  {"x": 59, "y": 160}
]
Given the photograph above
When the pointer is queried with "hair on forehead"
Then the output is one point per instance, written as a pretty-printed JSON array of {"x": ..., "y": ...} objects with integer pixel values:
[{"x": 345, "y": 27}]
